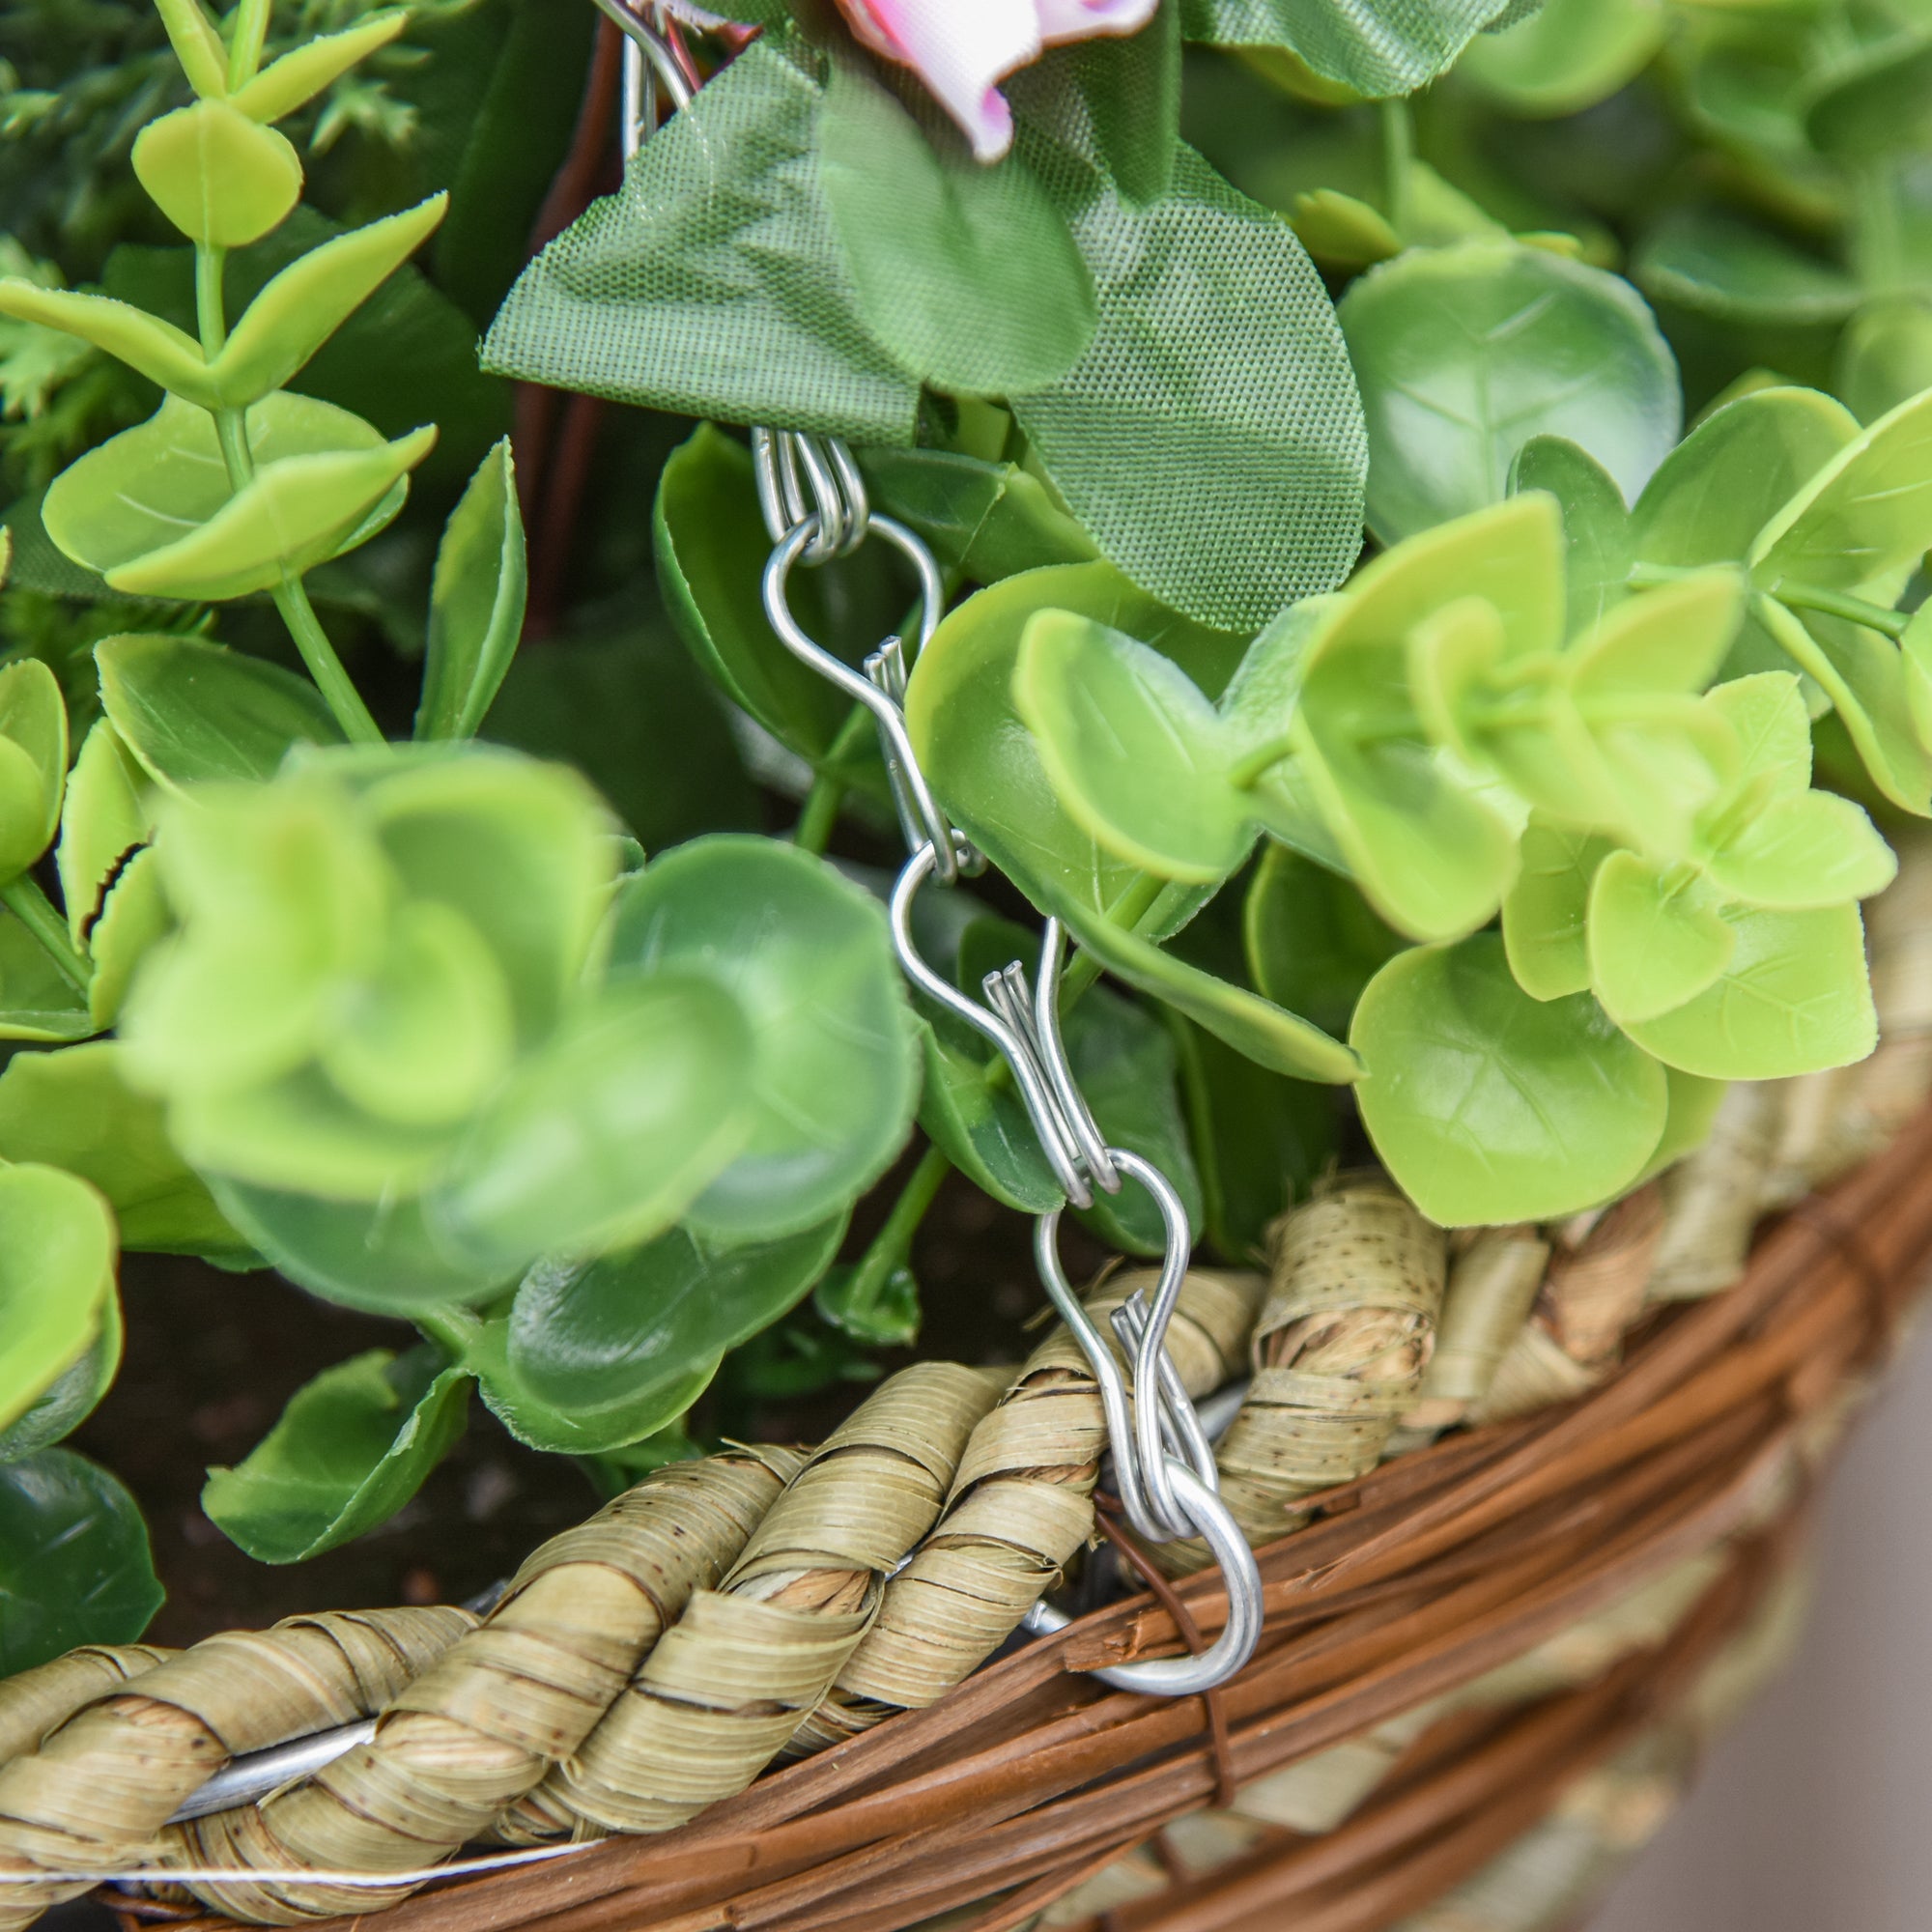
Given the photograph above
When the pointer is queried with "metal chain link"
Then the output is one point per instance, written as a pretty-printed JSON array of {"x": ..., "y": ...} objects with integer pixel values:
[{"x": 815, "y": 508}]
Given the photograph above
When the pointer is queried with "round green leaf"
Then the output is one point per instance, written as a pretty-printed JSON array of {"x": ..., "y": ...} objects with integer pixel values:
[
  {"x": 585, "y": 1339},
  {"x": 541, "y": 1424},
  {"x": 33, "y": 763},
  {"x": 1546, "y": 910},
  {"x": 1883, "y": 356},
  {"x": 1654, "y": 942},
  {"x": 378, "y": 1256},
  {"x": 351, "y": 1447},
  {"x": 1489, "y": 1106},
  {"x": 808, "y": 958},
  {"x": 611, "y": 1131},
  {"x": 220, "y": 178},
  {"x": 57, "y": 1261},
  {"x": 152, "y": 510},
  {"x": 966, "y": 273},
  {"x": 75, "y": 1563},
  {"x": 1567, "y": 56},
  {"x": 1794, "y": 1000},
  {"x": 1740, "y": 274},
  {"x": 1464, "y": 354},
  {"x": 71, "y": 1397}
]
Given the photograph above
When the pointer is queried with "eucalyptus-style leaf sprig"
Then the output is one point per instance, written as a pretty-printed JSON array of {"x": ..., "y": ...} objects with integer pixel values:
[{"x": 237, "y": 485}]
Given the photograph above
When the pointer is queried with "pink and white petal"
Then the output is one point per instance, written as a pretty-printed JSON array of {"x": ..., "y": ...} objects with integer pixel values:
[
  {"x": 959, "y": 48},
  {"x": 1082, "y": 20}
]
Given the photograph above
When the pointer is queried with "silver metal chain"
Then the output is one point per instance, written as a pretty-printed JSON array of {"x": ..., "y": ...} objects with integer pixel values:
[{"x": 815, "y": 508}]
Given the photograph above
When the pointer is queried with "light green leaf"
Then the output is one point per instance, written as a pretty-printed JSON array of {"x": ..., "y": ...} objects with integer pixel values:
[
  {"x": 222, "y": 179},
  {"x": 351, "y": 1447},
  {"x": 377, "y": 1256},
  {"x": 1873, "y": 103},
  {"x": 1464, "y": 354},
  {"x": 33, "y": 763},
  {"x": 1489, "y": 1106},
  {"x": 149, "y": 345},
  {"x": 1567, "y": 55},
  {"x": 1794, "y": 1000},
  {"x": 1342, "y": 231},
  {"x": 1656, "y": 940},
  {"x": 608, "y": 1134},
  {"x": 191, "y": 711},
  {"x": 965, "y": 272},
  {"x": 320, "y": 474},
  {"x": 73, "y": 1110},
  {"x": 37, "y": 1002},
  {"x": 588, "y": 1339},
  {"x": 133, "y": 916},
  {"x": 1885, "y": 356},
  {"x": 302, "y": 73},
  {"x": 1597, "y": 539},
  {"x": 1545, "y": 911},
  {"x": 807, "y": 957},
  {"x": 57, "y": 1267},
  {"x": 1810, "y": 849},
  {"x": 476, "y": 606},
  {"x": 203, "y": 58},
  {"x": 1693, "y": 1107},
  {"x": 309, "y": 300},
  {"x": 75, "y": 1563},
  {"x": 72, "y": 1396},
  {"x": 105, "y": 821}
]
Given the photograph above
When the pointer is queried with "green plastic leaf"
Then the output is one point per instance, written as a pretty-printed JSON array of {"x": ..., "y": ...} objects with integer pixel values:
[
  {"x": 1739, "y": 273},
  {"x": 57, "y": 1266},
  {"x": 1224, "y": 395},
  {"x": 72, "y": 1396},
  {"x": 309, "y": 300},
  {"x": 73, "y": 1110},
  {"x": 981, "y": 1125},
  {"x": 191, "y": 711},
  {"x": 1813, "y": 849},
  {"x": 1312, "y": 942},
  {"x": 1883, "y": 356},
  {"x": 541, "y": 1424},
  {"x": 220, "y": 178},
  {"x": 1874, "y": 103},
  {"x": 985, "y": 519},
  {"x": 607, "y": 1135},
  {"x": 1598, "y": 549},
  {"x": 1546, "y": 910},
  {"x": 1794, "y": 1000},
  {"x": 302, "y": 73},
  {"x": 1342, "y": 231},
  {"x": 351, "y": 1447},
  {"x": 476, "y": 606},
  {"x": 1464, "y": 354},
  {"x": 976, "y": 751},
  {"x": 202, "y": 57},
  {"x": 380, "y": 1257},
  {"x": 1693, "y": 1107},
  {"x": 134, "y": 915},
  {"x": 33, "y": 763},
  {"x": 75, "y": 1563},
  {"x": 712, "y": 284},
  {"x": 1489, "y": 1106},
  {"x": 1655, "y": 939},
  {"x": 152, "y": 509},
  {"x": 149, "y": 345},
  {"x": 1376, "y": 46},
  {"x": 807, "y": 957},
  {"x": 1567, "y": 55},
  {"x": 37, "y": 1002},
  {"x": 104, "y": 820},
  {"x": 966, "y": 273},
  {"x": 875, "y": 1305},
  {"x": 590, "y": 1338}
]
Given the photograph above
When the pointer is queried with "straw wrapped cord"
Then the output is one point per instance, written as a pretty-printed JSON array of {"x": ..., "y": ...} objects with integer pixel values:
[
  {"x": 1713, "y": 1197},
  {"x": 1020, "y": 1507},
  {"x": 1349, "y": 1322},
  {"x": 1493, "y": 1285},
  {"x": 726, "y": 1686},
  {"x": 96, "y": 1791},
  {"x": 489, "y": 1718},
  {"x": 38, "y": 1701}
]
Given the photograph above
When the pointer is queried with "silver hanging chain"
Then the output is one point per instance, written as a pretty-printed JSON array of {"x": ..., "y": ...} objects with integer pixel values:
[{"x": 815, "y": 508}]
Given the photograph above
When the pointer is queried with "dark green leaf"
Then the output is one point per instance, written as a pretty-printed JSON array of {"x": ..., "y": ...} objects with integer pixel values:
[
  {"x": 540, "y": 1425},
  {"x": 985, "y": 519},
  {"x": 1876, "y": 103},
  {"x": 1714, "y": 264},
  {"x": 1313, "y": 941},
  {"x": 75, "y": 1565}
]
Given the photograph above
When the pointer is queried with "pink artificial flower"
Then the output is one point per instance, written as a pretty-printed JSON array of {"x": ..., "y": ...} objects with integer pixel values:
[{"x": 960, "y": 47}]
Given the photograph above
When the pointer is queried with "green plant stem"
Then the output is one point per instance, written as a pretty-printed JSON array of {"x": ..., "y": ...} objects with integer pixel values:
[
  {"x": 1249, "y": 770},
  {"x": 32, "y": 907},
  {"x": 451, "y": 1330},
  {"x": 1398, "y": 130},
  {"x": 210, "y": 311},
  {"x": 1128, "y": 910},
  {"x": 1837, "y": 603},
  {"x": 889, "y": 1248},
  {"x": 819, "y": 816}
]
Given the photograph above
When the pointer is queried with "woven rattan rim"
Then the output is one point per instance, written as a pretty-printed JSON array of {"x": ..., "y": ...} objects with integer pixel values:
[{"x": 1411, "y": 1583}]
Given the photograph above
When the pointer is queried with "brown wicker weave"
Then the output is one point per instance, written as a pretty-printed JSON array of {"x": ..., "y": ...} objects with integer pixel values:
[{"x": 1414, "y": 1581}]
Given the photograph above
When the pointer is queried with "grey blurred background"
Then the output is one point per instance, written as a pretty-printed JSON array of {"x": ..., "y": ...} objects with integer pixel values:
[{"x": 1814, "y": 1814}]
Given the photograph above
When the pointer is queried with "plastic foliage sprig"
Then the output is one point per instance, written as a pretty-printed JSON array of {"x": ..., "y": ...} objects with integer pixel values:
[{"x": 237, "y": 486}]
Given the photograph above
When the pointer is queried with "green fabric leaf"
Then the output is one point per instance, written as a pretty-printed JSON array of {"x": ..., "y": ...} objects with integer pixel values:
[
  {"x": 1715, "y": 265},
  {"x": 1794, "y": 1000},
  {"x": 191, "y": 711},
  {"x": 1464, "y": 354},
  {"x": 476, "y": 603},
  {"x": 712, "y": 284},
  {"x": 57, "y": 1272},
  {"x": 1376, "y": 46},
  {"x": 73, "y": 1110},
  {"x": 74, "y": 1562},
  {"x": 585, "y": 1339},
  {"x": 1598, "y": 548},
  {"x": 965, "y": 274},
  {"x": 351, "y": 1447},
  {"x": 1251, "y": 418},
  {"x": 1489, "y": 1106},
  {"x": 807, "y": 957}
]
